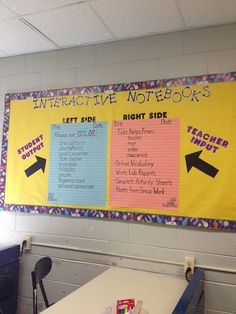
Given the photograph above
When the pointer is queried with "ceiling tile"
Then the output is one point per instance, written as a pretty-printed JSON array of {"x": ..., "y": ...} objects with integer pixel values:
[
  {"x": 5, "y": 13},
  {"x": 208, "y": 12},
  {"x": 70, "y": 26},
  {"x": 131, "y": 18},
  {"x": 28, "y": 6},
  {"x": 18, "y": 38}
]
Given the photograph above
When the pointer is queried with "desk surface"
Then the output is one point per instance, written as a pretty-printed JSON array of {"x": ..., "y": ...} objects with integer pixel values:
[{"x": 159, "y": 293}]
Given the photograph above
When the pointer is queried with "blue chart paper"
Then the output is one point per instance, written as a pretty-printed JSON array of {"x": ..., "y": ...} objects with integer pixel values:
[{"x": 78, "y": 157}]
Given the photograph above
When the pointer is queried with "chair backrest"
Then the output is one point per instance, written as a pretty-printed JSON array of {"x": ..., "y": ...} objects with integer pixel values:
[
  {"x": 6, "y": 287},
  {"x": 41, "y": 270}
]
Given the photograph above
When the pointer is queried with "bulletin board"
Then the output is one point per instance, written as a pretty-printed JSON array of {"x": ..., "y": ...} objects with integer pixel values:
[{"x": 157, "y": 151}]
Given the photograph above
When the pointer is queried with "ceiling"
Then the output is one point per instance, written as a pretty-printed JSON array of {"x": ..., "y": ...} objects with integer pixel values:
[{"x": 28, "y": 26}]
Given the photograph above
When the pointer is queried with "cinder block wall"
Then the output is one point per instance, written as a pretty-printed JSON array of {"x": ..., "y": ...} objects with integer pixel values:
[{"x": 195, "y": 52}]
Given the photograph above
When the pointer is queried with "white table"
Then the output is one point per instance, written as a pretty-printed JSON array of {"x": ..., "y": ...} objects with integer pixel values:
[{"x": 159, "y": 293}]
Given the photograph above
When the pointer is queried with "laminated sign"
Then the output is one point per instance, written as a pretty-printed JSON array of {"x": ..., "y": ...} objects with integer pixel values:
[{"x": 156, "y": 151}]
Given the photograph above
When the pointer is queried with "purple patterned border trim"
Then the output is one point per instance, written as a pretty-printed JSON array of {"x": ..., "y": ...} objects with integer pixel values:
[{"x": 108, "y": 214}]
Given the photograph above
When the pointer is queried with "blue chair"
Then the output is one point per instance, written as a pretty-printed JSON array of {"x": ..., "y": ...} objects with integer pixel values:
[{"x": 6, "y": 289}]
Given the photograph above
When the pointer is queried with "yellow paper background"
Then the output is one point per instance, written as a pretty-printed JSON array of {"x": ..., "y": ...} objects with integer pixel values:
[{"x": 199, "y": 194}]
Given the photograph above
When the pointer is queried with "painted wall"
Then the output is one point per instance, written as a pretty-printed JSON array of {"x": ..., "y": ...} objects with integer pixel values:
[{"x": 195, "y": 52}]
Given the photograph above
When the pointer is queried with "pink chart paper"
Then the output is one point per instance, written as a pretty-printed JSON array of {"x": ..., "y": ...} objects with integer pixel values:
[{"x": 144, "y": 171}]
